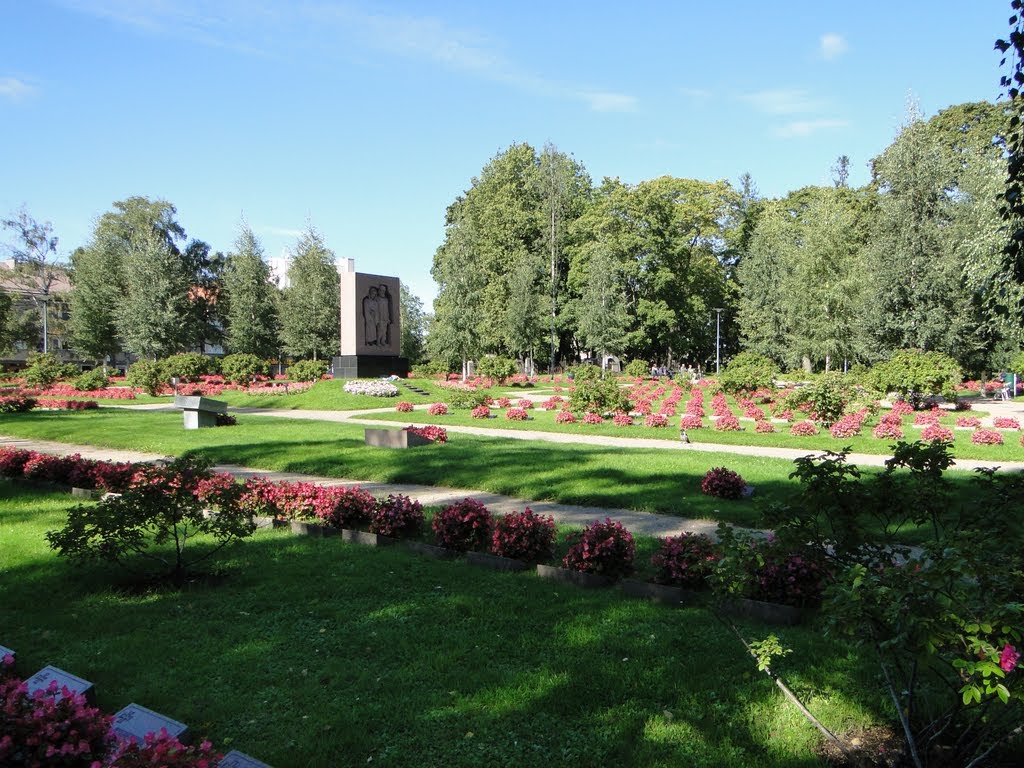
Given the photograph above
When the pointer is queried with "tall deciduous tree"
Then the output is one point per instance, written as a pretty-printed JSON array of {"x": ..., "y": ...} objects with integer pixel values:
[
  {"x": 36, "y": 269},
  {"x": 252, "y": 322},
  {"x": 455, "y": 333},
  {"x": 310, "y": 318},
  {"x": 414, "y": 326}
]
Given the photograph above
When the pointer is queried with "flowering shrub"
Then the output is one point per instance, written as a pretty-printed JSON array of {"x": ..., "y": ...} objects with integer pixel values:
[
  {"x": 892, "y": 418},
  {"x": 785, "y": 414},
  {"x": 592, "y": 418},
  {"x": 51, "y": 727},
  {"x": 968, "y": 421},
  {"x": 553, "y": 403},
  {"x": 605, "y": 549},
  {"x": 1005, "y": 422},
  {"x": 902, "y": 407},
  {"x": 936, "y": 433},
  {"x": 504, "y": 402},
  {"x": 525, "y": 403},
  {"x": 261, "y": 498},
  {"x": 785, "y": 577},
  {"x": 463, "y": 526},
  {"x": 524, "y": 536},
  {"x": 397, "y": 516},
  {"x": 753, "y": 412},
  {"x": 642, "y": 408},
  {"x": 924, "y": 418},
  {"x": 16, "y": 404},
  {"x": 435, "y": 434},
  {"x": 375, "y": 388},
  {"x": 345, "y": 507},
  {"x": 848, "y": 426},
  {"x": 66, "y": 405},
  {"x": 722, "y": 483},
  {"x": 516, "y": 414},
  {"x": 12, "y": 461},
  {"x": 481, "y": 412},
  {"x": 986, "y": 437},
  {"x": 566, "y": 417},
  {"x": 727, "y": 423},
  {"x": 621, "y": 419},
  {"x": 963, "y": 405},
  {"x": 690, "y": 421},
  {"x": 656, "y": 420},
  {"x": 887, "y": 430},
  {"x": 695, "y": 408},
  {"x": 685, "y": 560},
  {"x": 437, "y": 409},
  {"x": 161, "y": 750},
  {"x": 667, "y": 409},
  {"x": 403, "y": 406},
  {"x": 764, "y": 427},
  {"x": 804, "y": 429}
]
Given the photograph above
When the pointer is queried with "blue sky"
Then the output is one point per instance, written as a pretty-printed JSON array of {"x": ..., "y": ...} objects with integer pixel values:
[{"x": 368, "y": 119}]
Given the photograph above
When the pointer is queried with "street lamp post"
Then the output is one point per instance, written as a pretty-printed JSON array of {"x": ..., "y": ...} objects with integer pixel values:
[
  {"x": 718, "y": 338},
  {"x": 44, "y": 300}
]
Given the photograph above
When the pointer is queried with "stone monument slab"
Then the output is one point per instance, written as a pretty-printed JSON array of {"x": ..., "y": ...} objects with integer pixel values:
[
  {"x": 236, "y": 759},
  {"x": 135, "y": 721},
  {"x": 42, "y": 679},
  {"x": 371, "y": 331},
  {"x": 199, "y": 412}
]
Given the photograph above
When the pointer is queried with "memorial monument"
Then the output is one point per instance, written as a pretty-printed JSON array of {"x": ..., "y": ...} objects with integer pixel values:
[{"x": 370, "y": 331}]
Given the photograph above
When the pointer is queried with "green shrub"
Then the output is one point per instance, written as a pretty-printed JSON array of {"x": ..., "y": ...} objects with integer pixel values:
[
  {"x": 831, "y": 393},
  {"x": 465, "y": 398},
  {"x": 187, "y": 366},
  {"x": 242, "y": 368},
  {"x": 585, "y": 372},
  {"x": 747, "y": 372},
  {"x": 90, "y": 380},
  {"x": 497, "y": 367},
  {"x": 147, "y": 375},
  {"x": 307, "y": 370},
  {"x": 44, "y": 369},
  {"x": 637, "y": 368},
  {"x": 598, "y": 395},
  {"x": 430, "y": 368},
  {"x": 915, "y": 375}
]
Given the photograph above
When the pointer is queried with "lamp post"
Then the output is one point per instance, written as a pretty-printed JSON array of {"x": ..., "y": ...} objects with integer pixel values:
[
  {"x": 43, "y": 300},
  {"x": 718, "y": 338}
]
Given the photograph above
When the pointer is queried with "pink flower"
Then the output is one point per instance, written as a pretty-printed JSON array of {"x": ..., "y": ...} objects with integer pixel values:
[{"x": 1008, "y": 658}]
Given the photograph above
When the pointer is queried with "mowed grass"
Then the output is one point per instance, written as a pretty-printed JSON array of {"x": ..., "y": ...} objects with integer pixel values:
[
  {"x": 544, "y": 421},
  {"x": 320, "y": 653},
  {"x": 642, "y": 479}
]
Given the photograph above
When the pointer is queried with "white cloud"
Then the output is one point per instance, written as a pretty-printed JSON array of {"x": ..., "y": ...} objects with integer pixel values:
[
  {"x": 14, "y": 89},
  {"x": 604, "y": 101},
  {"x": 803, "y": 128},
  {"x": 782, "y": 101},
  {"x": 832, "y": 46}
]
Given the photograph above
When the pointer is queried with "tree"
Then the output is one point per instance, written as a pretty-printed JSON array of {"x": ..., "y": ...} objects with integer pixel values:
[
  {"x": 414, "y": 326},
  {"x": 252, "y": 322},
  {"x": 311, "y": 304},
  {"x": 94, "y": 296},
  {"x": 1012, "y": 208},
  {"x": 34, "y": 252},
  {"x": 458, "y": 309}
]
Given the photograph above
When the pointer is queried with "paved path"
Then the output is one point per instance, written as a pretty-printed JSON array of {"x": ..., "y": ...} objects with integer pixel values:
[{"x": 644, "y": 523}]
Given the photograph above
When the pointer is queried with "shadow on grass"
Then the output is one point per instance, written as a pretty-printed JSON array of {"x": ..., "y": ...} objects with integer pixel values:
[{"x": 320, "y": 653}]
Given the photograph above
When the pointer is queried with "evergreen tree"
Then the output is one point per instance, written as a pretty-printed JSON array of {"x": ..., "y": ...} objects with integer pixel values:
[
  {"x": 252, "y": 322},
  {"x": 310, "y": 315}
]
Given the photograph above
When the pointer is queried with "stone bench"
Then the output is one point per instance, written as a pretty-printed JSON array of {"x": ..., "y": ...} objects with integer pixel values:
[{"x": 199, "y": 412}]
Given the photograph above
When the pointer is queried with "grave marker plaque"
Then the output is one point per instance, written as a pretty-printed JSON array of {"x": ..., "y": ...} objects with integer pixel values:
[
  {"x": 135, "y": 722},
  {"x": 236, "y": 759},
  {"x": 42, "y": 679}
]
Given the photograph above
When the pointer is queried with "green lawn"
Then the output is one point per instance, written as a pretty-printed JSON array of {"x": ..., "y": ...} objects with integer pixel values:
[
  {"x": 544, "y": 421},
  {"x": 319, "y": 653},
  {"x": 642, "y": 479}
]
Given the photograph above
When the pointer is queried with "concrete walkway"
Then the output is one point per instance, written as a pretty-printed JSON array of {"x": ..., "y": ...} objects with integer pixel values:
[{"x": 642, "y": 523}]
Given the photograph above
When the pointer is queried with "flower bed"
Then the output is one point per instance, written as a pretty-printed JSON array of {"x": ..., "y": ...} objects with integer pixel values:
[
  {"x": 565, "y": 417},
  {"x": 1005, "y": 422},
  {"x": 986, "y": 437},
  {"x": 936, "y": 433},
  {"x": 524, "y": 536},
  {"x": 722, "y": 483},
  {"x": 463, "y": 526},
  {"x": 592, "y": 418},
  {"x": 436, "y": 434},
  {"x": 516, "y": 414},
  {"x": 373, "y": 388},
  {"x": 887, "y": 431},
  {"x": 685, "y": 560},
  {"x": 403, "y": 406},
  {"x": 656, "y": 420},
  {"x": 971, "y": 422},
  {"x": 804, "y": 429},
  {"x": 727, "y": 423},
  {"x": 437, "y": 409},
  {"x": 604, "y": 549},
  {"x": 481, "y": 412},
  {"x": 690, "y": 421}
]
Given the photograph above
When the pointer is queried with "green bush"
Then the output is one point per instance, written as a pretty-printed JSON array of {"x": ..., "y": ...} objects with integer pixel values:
[
  {"x": 831, "y": 393},
  {"x": 598, "y": 395},
  {"x": 307, "y": 370},
  {"x": 242, "y": 368},
  {"x": 747, "y": 372},
  {"x": 187, "y": 366},
  {"x": 465, "y": 398},
  {"x": 637, "y": 368},
  {"x": 498, "y": 368},
  {"x": 584, "y": 372},
  {"x": 44, "y": 369},
  {"x": 147, "y": 375},
  {"x": 915, "y": 375},
  {"x": 90, "y": 380},
  {"x": 430, "y": 368}
]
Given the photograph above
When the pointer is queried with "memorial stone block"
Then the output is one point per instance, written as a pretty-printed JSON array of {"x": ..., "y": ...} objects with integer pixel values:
[
  {"x": 199, "y": 412},
  {"x": 42, "y": 679},
  {"x": 135, "y": 722},
  {"x": 236, "y": 759}
]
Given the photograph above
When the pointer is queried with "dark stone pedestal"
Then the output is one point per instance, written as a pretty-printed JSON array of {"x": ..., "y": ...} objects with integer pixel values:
[{"x": 369, "y": 366}]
